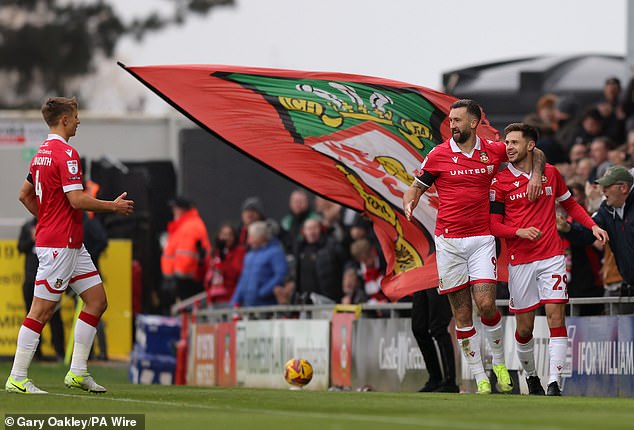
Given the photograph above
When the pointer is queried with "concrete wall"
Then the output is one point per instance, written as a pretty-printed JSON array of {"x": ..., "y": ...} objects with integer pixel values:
[{"x": 129, "y": 138}]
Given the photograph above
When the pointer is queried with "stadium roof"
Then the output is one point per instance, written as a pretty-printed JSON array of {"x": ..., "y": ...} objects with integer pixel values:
[{"x": 509, "y": 89}]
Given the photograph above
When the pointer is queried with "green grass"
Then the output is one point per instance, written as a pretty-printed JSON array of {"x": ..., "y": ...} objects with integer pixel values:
[{"x": 181, "y": 408}]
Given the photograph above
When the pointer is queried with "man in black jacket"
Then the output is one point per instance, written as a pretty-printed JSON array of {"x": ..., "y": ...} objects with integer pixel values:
[
  {"x": 319, "y": 266},
  {"x": 616, "y": 216}
]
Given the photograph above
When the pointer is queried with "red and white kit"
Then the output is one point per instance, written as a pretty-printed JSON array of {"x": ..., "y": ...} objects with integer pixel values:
[
  {"x": 465, "y": 249},
  {"x": 539, "y": 262},
  {"x": 55, "y": 170}
]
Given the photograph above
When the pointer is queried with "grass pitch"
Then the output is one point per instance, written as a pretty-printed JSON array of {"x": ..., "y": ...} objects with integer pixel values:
[{"x": 180, "y": 408}]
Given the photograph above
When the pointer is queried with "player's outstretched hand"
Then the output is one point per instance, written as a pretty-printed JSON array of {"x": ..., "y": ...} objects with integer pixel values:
[
  {"x": 410, "y": 200},
  {"x": 533, "y": 188},
  {"x": 530, "y": 233},
  {"x": 409, "y": 208},
  {"x": 600, "y": 234},
  {"x": 123, "y": 206}
]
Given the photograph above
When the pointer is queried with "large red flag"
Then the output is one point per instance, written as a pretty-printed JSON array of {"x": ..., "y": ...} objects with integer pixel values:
[{"x": 356, "y": 140}]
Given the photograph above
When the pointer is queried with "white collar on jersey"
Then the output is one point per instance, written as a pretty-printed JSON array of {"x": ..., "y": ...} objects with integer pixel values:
[
  {"x": 518, "y": 172},
  {"x": 57, "y": 137},
  {"x": 455, "y": 148}
]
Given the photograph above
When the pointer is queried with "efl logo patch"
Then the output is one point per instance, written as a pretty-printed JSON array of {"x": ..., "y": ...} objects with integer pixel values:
[
  {"x": 491, "y": 195},
  {"x": 73, "y": 166}
]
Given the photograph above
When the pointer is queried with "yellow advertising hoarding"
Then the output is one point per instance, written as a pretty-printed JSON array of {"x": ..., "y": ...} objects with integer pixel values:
[{"x": 116, "y": 271}]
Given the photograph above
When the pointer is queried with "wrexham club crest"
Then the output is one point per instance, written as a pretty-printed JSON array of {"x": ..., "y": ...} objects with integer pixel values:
[
  {"x": 484, "y": 157},
  {"x": 311, "y": 108}
]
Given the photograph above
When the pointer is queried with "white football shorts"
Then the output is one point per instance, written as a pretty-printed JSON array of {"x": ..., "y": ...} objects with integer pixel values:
[
  {"x": 464, "y": 261},
  {"x": 61, "y": 267},
  {"x": 536, "y": 283}
]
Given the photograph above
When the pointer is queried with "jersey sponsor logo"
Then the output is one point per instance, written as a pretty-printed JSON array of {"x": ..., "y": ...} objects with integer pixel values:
[
  {"x": 524, "y": 194},
  {"x": 73, "y": 166},
  {"x": 484, "y": 157},
  {"x": 69, "y": 152},
  {"x": 455, "y": 159},
  {"x": 468, "y": 172},
  {"x": 516, "y": 183},
  {"x": 492, "y": 195}
]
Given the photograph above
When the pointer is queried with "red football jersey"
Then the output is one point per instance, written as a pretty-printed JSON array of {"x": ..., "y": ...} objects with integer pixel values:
[
  {"x": 509, "y": 188},
  {"x": 54, "y": 171},
  {"x": 463, "y": 182}
]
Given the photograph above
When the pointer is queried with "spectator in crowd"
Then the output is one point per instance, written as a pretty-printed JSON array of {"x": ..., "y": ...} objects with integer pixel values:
[
  {"x": 585, "y": 261},
  {"x": 612, "y": 111},
  {"x": 599, "y": 149},
  {"x": 330, "y": 214},
  {"x": 567, "y": 122},
  {"x": 352, "y": 286},
  {"x": 291, "y": 224},
  {"x": 371, "y": 267},
  {"x": 577, "y": 152},
  {"x": 583, "y": 170},
  {"x": 618, "y": 155},
  {"x": 250, "y": 212},
  {"x": 26, "y": 246},
  {"x": 591, "y": 126},
  {"x": 227, "y": 259},
  {"x": 264, "y": 271},
  {"x": 616, "y": 216},
  {"x": 628, "y": 104},
  {"x": 545, "y": 120},
  {"x": 186, "y": 254},
  {"x": 319, "y": 264},
  {"x": 630, "y": 148}
]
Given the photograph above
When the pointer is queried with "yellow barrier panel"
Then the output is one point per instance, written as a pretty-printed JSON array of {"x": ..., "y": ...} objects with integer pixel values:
[{"x": 116, "y": 271}]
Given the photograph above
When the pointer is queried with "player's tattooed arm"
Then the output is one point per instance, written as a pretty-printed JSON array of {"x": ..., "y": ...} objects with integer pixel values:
[{"x": 535, "y": 184}]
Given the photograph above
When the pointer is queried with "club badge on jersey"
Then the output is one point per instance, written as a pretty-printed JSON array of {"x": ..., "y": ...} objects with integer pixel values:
[{"x": 484, "y": 157}]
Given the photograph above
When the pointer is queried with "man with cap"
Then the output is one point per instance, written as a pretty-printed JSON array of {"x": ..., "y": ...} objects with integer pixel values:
[
  {"x": 616, "y": 216},
  {"x": 186, "y": 254}
]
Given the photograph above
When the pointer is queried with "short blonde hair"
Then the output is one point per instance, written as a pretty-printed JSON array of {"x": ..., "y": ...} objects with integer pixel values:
[{"x": 55, "y": 107}]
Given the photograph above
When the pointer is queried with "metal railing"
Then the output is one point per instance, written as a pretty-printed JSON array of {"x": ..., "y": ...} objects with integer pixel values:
[{"x": 198, "y": 304}]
